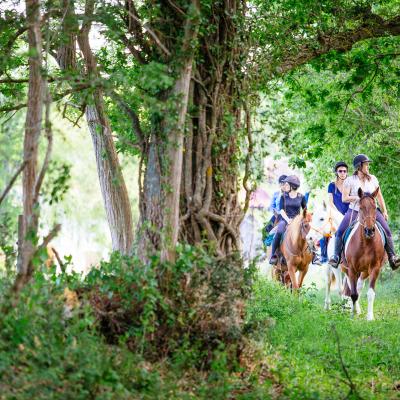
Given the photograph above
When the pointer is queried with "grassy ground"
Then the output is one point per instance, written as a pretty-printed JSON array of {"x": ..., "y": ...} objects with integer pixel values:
[{"x": 302, "y": 342}]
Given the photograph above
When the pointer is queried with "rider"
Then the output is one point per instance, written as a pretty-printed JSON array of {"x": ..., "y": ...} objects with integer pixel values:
[
  {"x": 290, "y": 205},
  {"x": 368, "y": 183},
  {"x": 335, "y": 189},
  {"x": 274, "y": 207}
]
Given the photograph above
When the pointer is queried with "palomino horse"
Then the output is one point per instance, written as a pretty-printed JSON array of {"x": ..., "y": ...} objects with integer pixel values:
[
  {"x": 364, "y": 253},
  {"x": 295, "y": 249},
  {"x": 325, "y": 223}
]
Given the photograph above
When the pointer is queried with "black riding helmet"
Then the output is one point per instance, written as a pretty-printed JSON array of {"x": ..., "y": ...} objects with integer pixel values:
[
  {"x": 282, "y": 178},
  {"x": 340, "y": 164},
  {"x": 359, "y": 159},
  {"x": 293, "y": 181}
]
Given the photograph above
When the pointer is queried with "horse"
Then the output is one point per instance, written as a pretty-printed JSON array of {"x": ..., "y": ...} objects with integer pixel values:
[
  {"x": 364, "y": 253},
  {"x": 325, "y": 223},
  {"x": 295, "y": 249}
]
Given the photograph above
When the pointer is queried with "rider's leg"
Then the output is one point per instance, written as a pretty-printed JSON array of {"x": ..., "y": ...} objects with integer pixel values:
[
  {"x": 277, "y": 241},
  {"x": 350, "y": 215},
  {"x": 270, "y": 225},
  {"x": 394, "y": 261}
]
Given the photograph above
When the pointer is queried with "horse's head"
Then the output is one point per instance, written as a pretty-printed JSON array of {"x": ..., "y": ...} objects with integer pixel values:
[
  {"x": 322, "y": 223},
  {"x": 367, "y": 213},
  {"x": 305, "y": 224}
]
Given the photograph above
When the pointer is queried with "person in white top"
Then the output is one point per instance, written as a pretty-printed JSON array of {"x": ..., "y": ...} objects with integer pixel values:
[{"x": 368, "y": 183}]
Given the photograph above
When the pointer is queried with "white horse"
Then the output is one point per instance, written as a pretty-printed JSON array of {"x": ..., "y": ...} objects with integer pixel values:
[{"x": 325, "y": 223}]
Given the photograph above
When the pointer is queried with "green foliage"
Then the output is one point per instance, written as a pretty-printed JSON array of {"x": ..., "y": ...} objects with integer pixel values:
[
  {"x": 343, "y": 105},
  {"x": 57, "y": 182}
]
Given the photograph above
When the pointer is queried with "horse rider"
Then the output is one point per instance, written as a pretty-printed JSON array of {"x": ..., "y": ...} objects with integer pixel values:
[
  {"x": 274, "y": 207},
  {"x": 335, "y": 189},
  {"x": 368, "y": 183},
  {"x": 290, "y": 204}
]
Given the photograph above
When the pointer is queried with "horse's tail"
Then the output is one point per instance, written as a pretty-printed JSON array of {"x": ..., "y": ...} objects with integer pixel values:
[{"x": 346, "y": 288}]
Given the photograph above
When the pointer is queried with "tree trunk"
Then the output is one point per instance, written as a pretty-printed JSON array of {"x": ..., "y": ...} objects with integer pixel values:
[
  {"x": 33, "y": 125},
  {"x": 211, "y": 209},
  {"x": 112, "y": 184},
  {"x": 160, "y": 198}
]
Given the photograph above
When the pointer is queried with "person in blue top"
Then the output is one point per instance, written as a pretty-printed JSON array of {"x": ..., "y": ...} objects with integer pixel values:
[
  {"x": 335, "y": 189},
  {"x": 290, "y": 204},
  {"x": 335, "y": 200},
  {"x": 274, "y": 207}
]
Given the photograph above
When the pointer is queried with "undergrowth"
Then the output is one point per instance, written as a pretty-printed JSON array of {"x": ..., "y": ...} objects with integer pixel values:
[{"x": 156, "y": 331}]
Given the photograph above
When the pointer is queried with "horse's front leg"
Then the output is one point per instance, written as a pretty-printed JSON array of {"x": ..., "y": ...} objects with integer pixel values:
[
  {"x": 292, "y": 274},
  {"x": 338, "y": 275},
  {"x": 352, "y": 279},
  {"x": 360, "y": 285},
  {"x": 371, "y": 292},
  {"x": 302, "y": 275},
  {"x": 328, "y": 288}
]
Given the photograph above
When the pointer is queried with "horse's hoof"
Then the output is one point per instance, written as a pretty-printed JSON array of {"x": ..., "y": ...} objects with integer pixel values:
[
  {"x": 327, "y": 306},
  {"x": 370, "y": 317}
]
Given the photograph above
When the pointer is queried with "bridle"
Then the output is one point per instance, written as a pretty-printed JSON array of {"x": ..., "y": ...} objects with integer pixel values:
[{"x": 321, "y": 230}]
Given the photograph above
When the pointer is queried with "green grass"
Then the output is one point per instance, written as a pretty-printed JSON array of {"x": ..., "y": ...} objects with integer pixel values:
[{"x": 302, "y": 346}]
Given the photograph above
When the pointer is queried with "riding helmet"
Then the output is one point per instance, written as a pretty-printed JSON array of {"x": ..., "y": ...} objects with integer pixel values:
[
  {"x": 292, "y": 180},
  {"x": 282, "y": 178},
  {"x": 359, "y": 159},
  {"x": 340, "y": 164}
]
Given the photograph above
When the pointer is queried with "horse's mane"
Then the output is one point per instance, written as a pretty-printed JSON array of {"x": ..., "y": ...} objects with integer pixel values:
[{"x": 294, "y": 228}]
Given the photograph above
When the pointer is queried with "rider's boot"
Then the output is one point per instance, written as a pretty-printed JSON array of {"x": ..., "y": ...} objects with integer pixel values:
[
  {"x": 394, "y": 261},
  {"x": 335, "y": 259},
  {"x": 275, "y": 244}
]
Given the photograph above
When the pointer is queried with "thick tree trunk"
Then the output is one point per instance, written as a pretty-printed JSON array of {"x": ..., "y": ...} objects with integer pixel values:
[
  {"x": 211, "y": 209},
  {"x": 160, "y": 196},
  {"x": 112, "y": 184}
]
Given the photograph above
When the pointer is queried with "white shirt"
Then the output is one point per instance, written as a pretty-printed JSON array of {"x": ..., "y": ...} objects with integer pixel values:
[{"x": 354, "y": 183}]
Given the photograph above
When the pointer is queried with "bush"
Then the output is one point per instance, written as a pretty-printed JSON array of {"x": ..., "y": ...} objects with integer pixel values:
[{"x": 197, "y": 302}]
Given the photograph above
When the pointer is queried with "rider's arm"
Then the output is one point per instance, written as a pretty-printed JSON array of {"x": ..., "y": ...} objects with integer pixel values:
[
  {"x": 284, "y": 216},
  {"x": 381, "y": 202},
  {"x": 331, "y": 189},
  {"x": 331, "y": 203},
  {"x": 346, "y": 198},
  {"x": 282, "y": 209}
]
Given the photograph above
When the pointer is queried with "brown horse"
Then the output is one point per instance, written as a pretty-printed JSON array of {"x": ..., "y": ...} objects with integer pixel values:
[
  {"x": 295, "y": 249},
  {"x": 364, "y": 253}
]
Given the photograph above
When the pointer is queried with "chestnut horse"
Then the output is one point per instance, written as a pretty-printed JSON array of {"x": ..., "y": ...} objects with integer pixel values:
[
  {"x": 295, "y": 249},
  {"x": 364, "y": 253}
]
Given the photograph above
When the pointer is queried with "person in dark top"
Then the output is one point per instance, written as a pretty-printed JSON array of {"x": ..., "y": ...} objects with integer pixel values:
[
  {"x": 335, "y": 189},
  {"x": 290, "y": 204},
  {"x": 274, "y": 207}
]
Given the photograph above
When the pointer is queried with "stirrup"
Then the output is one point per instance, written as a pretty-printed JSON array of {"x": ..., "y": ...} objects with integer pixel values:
[
  {"x": 273, "y": 260},
  {"x": 334, "y": 261}
]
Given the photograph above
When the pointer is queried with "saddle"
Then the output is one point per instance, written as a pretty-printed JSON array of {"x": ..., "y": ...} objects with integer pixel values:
[{"x": 348, "y": 233}]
